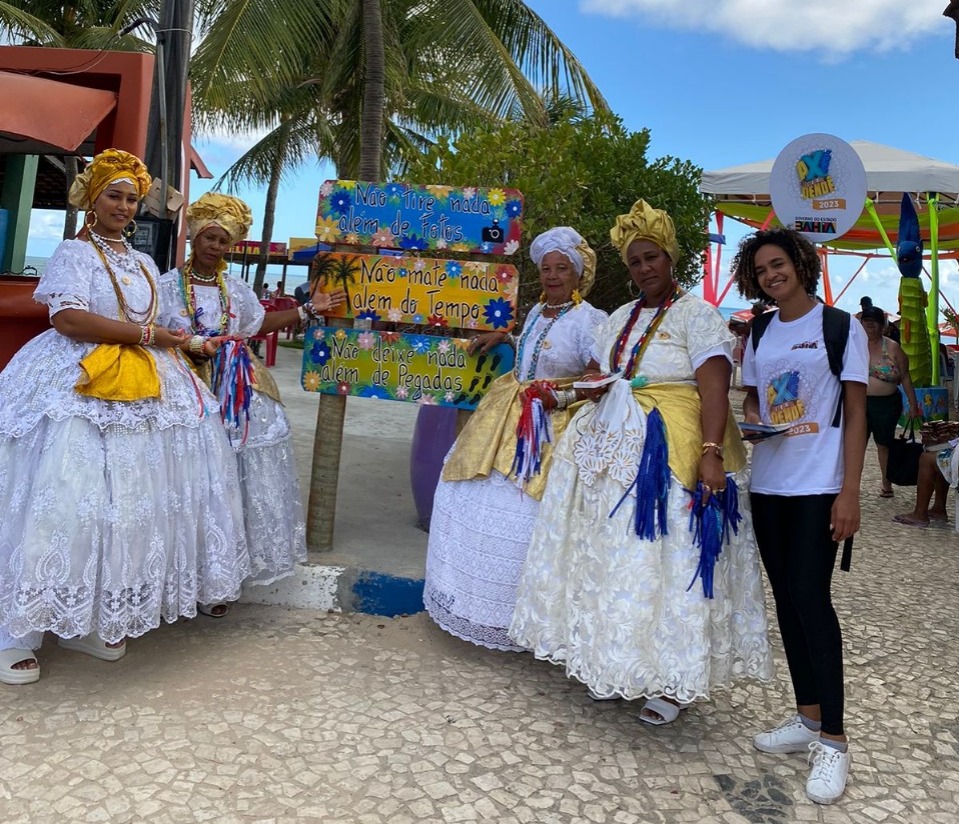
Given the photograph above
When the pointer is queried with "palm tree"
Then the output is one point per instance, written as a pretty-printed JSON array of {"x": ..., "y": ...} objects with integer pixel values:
[{"x": 344, "y": 273}]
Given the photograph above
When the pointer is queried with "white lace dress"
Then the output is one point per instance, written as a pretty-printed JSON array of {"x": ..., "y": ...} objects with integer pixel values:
[
  {"x": 272, "y": 506},
  {"x": 611, "y": 607},
  {"x": 479, "y": 529},
  {"x": 115, "y": 515}
]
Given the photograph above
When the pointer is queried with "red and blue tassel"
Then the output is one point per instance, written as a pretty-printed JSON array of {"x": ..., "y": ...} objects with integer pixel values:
[
  {"x": 533, "y": 432},
  {"x": 233, "y": 384}
]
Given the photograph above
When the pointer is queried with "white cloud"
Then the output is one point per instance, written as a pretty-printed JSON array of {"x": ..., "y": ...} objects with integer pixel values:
[{"x": 827, "y": 27}]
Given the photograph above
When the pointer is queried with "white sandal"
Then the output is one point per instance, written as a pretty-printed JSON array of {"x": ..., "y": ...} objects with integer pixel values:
[
  {"x": 666, "y": 710},
  {"x": 217, "y": 610},
  {"x": 94, "y": 645},
  {"x": 17, "y": 677}
]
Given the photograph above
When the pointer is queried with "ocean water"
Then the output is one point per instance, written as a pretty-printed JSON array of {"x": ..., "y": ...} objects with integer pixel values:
[{"x": 38, "y": 263}]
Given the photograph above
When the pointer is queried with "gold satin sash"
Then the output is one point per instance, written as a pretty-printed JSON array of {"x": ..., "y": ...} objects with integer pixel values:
[
  {"x": 119, "y": 372},
  {"x": 681, "y": 408},
  {"x": 488, "y": 441}
]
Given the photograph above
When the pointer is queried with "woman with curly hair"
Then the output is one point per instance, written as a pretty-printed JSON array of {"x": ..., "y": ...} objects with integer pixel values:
[
  {"x": 202, "y": 301},
  {"x": 804, "y": 487},
  {"x": 120, "y": 497}
]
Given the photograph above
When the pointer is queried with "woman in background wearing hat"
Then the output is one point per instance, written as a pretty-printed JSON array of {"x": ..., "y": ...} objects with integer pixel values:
[
  {"x": 202, "y": 301},
  {"x": 888, "y": 368},
  {"x": 482, "y": 512},
  {"x": 119, "y": 494},
  {"x": 618, "y": 586}
]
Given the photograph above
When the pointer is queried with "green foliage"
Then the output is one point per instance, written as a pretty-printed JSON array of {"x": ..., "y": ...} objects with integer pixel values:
[{"x": 580, "y": 172}]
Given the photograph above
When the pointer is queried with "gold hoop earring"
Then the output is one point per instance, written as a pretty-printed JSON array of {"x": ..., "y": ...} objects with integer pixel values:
[
  {"x": 86, "y": 219},
  {"x": 130, "y": 229},
  {"x": 633, "y": 289}
]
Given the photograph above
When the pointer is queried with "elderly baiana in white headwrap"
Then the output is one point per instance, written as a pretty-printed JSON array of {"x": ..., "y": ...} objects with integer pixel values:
[{"x": 569, "y": 242}]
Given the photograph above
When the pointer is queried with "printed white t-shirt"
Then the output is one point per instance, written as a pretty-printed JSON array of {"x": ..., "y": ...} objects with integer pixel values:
[{"x": 790, "y": 370}]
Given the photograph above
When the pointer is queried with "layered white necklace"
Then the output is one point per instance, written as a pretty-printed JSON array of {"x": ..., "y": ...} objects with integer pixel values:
[{"x": 125, "y": 261}]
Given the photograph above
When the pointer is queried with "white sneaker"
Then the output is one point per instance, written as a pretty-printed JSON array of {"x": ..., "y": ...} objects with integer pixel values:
[
  {"x": 790, "y": 736},
  {"x": 827, "y": 778}
]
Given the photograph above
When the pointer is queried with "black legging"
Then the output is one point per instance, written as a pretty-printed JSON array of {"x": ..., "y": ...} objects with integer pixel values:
[{"x": 799, "y": 555}]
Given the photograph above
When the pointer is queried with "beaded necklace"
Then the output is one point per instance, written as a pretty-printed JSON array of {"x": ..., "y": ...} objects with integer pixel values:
[
  {"x": 538, "y": 346},
  {"x": 143, "y": 318},
  {"x": 639, "y": 349},
  {"x": 195, "y": 313}
]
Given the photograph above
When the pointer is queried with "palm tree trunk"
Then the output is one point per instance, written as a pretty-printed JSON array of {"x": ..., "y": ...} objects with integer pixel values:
[
  {"x": 71, "y": 167},
  {"x": 269, "y": 214},
  {"x": 328, "y": 443}
]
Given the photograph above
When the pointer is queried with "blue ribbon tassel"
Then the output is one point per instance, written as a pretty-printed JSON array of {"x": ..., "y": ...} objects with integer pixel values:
[
  {"x": 651, "y": 483},
  {"x": 233, "y": 384},
  {"x": 710, "y": 523},
  {"x": 532, "y": 434}
]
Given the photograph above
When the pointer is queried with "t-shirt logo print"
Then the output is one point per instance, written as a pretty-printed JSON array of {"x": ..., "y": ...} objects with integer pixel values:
[{"x": 782, "y": 396}]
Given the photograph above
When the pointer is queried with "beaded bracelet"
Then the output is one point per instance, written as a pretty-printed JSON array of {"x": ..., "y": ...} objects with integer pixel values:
[
  {"x": 707, "y": 445},
  {"x": 196, "y": 345},
  {"x": 148, "y": 334}
]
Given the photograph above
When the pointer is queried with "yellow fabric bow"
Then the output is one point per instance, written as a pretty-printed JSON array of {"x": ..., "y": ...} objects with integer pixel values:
[
  {"x": 108, "y": 166},
  {"x": 115, "y": 372},
  {"x": 214, "y": 209},
  {"x": 645, "y": 223}
]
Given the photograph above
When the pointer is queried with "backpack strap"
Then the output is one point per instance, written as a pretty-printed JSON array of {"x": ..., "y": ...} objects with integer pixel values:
[
  {"x": 759, "y": 326},
  {"x": 835, "y": 332}
]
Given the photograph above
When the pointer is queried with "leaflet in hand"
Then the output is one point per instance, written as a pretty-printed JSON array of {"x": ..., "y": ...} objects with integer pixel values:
[
  {"x": 597, "y": 380},
  {"x": 761, "y": 431}
]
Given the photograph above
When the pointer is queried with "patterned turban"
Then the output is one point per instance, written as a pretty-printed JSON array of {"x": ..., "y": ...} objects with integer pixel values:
[
  {"x": 108, "y": 167},
  {"x": 213, "y": 209},
  {"x": 645, "y": 223},
  {"x": 568, "y": 241}
]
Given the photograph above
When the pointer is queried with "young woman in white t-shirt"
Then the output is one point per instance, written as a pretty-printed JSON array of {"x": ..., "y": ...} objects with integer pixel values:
[{"x": 805, "y": 487}]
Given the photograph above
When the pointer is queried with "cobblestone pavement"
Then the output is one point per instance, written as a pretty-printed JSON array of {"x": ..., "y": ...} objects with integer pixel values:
[{"x": 274, "y": 715}]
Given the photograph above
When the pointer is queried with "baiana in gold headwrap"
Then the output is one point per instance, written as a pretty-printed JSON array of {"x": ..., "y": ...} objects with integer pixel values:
[
  {"x": 214, "y": 209},
  {"x": 645, "y": 223},
  {"x": 108, "y": 167},
  {"x": 568, "y": 241}
]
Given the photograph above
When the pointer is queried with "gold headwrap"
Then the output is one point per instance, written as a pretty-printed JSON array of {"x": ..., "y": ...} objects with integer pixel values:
[
  {"x": 108, "y": 167},
  {"x": 214, "y": 209},
  {"x": 645, "y": 223}
]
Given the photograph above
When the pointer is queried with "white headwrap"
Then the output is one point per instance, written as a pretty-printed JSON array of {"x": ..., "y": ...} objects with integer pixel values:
[{"x": 558, "y": 239}]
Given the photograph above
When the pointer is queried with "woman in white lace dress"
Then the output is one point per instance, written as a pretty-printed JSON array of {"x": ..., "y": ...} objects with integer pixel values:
[
  {"x": 617, "y": 587},
  {"x": 482, "y": 513},
  {"x": 120, "y": 498},
  {"x": 202, "y": 300}
]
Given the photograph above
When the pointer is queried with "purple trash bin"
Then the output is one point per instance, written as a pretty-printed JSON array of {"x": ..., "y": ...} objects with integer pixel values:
[{"x": 433, "y": 436}]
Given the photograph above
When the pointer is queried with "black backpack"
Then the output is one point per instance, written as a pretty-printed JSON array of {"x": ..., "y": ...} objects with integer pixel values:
[{"x": 835, "y": 333}]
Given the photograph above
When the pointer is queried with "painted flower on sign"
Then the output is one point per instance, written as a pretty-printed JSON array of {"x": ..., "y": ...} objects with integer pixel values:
[
  {"x": 343, "y": 388},
  {"x": 510, "y": 289},
  {"x": 504, "y": 274},
  {"x": 402, "y": 393},
  {"x": 352, "y": 238},
  {"x": 419, "y": 264},
  {"x": 382, "y": 237},
  {"x": 340, "y": 334},
  {"x": 420, "y": 343},
  {"x": 437, "y": 320},
  {"x": 320, "y": 352},
  {"x": 395, "y": 191},
  {"x": 440, "y": 243},
  {"x": 427, "y": 400},
  {"x": 511, "y": 247},
  {"x": 443, "y": 346},
  {"x": 327, "y": 229},
  {"x": 341, "y": 202},
  {"x": 486, "y": 247},
  {"x": 394, "y": 315},
  {"x": 460, "y": 247},
  {"x": 368, "y": 314},
  {"x": 402, "y": 272},
  {"x": 366, "y": 340},
  {"x": 454, "y": 268},
  {"x": 390, "y": 337},
  {"x": 499, "y": 313},
  {"x": 326, "y": 188},
  {"x": 438, "y": 191},
  {"x": 413, "y": 242},
  {"x": 469, "y": 192},
  {"x": 375, "y": 391},
  {"x": 461, "y": 343},
  {"x": 311, "y": 381},
  {"x": 448, "y": 397},
  {"x": 514, "y": 208},
  {"x": 496, "y": 197},
  {"x": 418, "y": 318}
]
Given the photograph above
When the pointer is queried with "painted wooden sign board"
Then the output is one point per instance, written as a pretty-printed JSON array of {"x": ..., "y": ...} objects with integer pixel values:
[
  {"x": 424, "y": 291},
  {"x": 420, "y": 218},
  {"x": 424, "y": 369}
]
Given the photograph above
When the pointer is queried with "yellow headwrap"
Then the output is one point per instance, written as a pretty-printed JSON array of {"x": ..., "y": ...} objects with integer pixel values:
[
  {"x": 645, "y": 223},
  {"x": 108, "y": 167},
  {"x": 214, "y": 209}
]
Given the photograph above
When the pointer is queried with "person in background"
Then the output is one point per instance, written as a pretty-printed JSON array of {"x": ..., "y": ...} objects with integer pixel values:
[
  {"x": 120, "y": 497},
  {"x": 805, "y": 488},
  {"x": 937, "y": 472},
  {"x": 640, "y": 486},
  {"x": 200, "y": 299},
  {"x": 483, "y": 511},
  {"x": 888, "y": 369},
  {"x": 278, "y": 292},
  {"x": 865, "y": 302}
]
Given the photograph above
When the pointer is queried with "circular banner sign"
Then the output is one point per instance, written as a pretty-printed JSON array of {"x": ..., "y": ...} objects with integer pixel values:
[{"x": 818, "y": 186}]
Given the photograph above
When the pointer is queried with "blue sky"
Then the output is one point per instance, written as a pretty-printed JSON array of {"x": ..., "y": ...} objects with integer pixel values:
[{"x": 723, "y": 82}]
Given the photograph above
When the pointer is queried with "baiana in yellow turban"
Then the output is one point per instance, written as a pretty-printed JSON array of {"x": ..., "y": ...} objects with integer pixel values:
[
  {"x": 108, "y": 167},
  {"x": 214, "y": 209},
  {"x": 569, "y": 242},
  {"x": 645, "y": 223}
]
